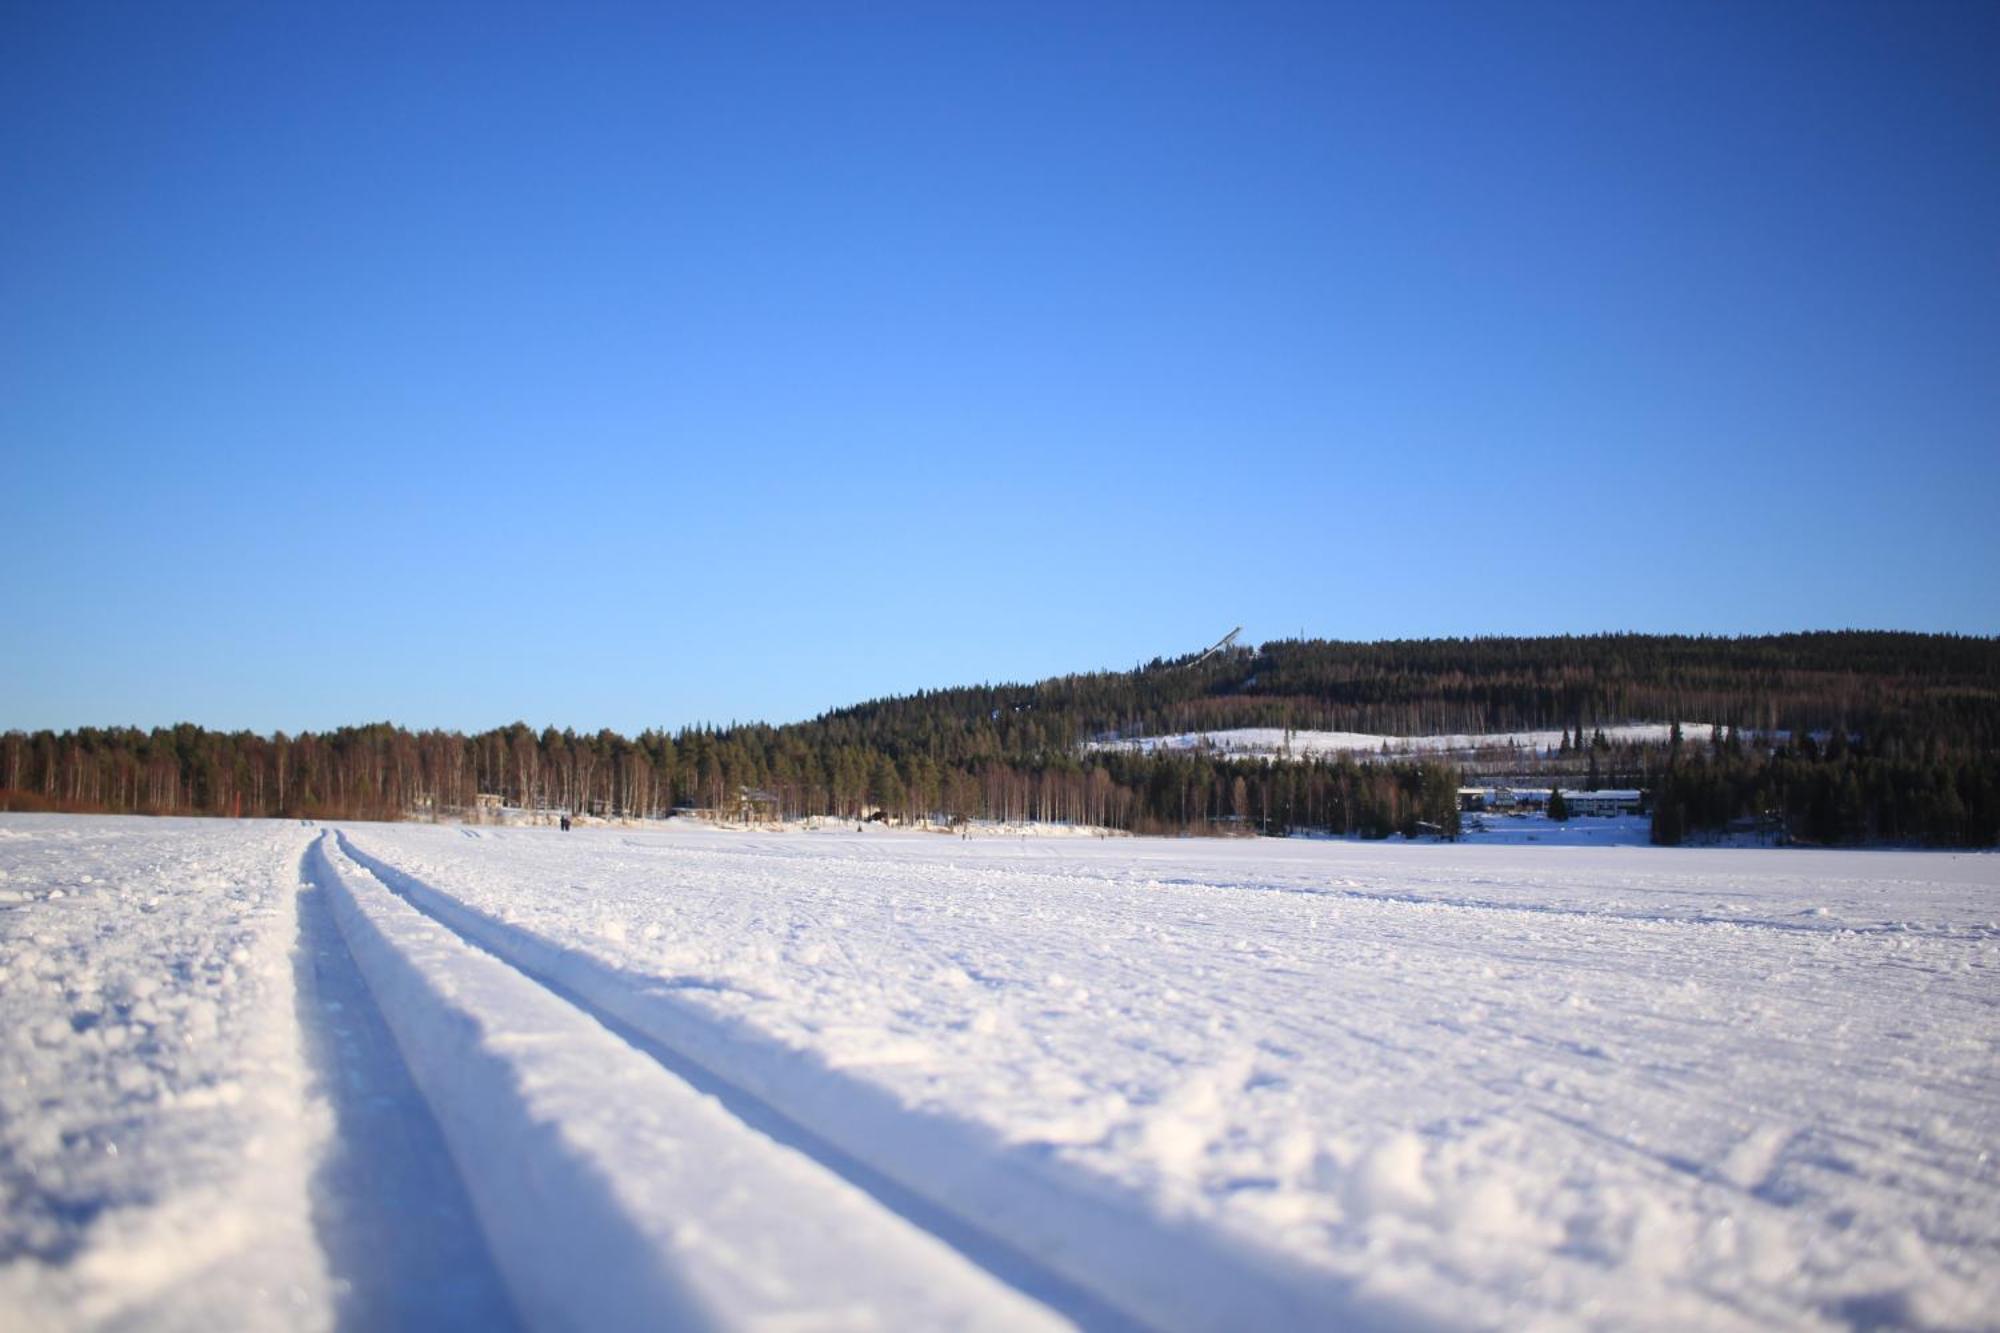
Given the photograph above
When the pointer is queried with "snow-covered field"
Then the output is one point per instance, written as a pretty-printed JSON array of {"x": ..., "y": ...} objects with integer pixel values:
[
  {"x": 258, "y": 1075},
  {"x": 1276, "y": 742}
]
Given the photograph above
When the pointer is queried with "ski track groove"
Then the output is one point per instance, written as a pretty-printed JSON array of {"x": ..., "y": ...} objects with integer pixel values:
[
  {"x": 1004, "y": 1261},
  {"x": 1286, "y": 1295},
  {"x": 389, "y": 1203},
  {"x": 597, "y": 1274}
]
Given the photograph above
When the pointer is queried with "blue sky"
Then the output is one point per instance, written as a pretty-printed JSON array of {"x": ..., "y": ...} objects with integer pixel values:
[{"x": 686, "y": 364}]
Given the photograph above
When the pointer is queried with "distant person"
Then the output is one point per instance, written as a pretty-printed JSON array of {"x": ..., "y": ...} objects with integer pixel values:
[{"x": 565, "y": 823}]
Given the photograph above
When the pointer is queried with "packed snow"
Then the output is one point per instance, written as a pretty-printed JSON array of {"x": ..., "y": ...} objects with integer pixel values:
[
  {"x": 272, "y": 1076},
  {"x": 156, "y": 1149},
  {"x": 1282, "y": 743},
  {"x": 1521, "y": 828}
]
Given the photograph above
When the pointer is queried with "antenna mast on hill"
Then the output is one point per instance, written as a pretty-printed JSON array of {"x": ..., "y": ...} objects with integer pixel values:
[{"x": 1217, "y": 647}]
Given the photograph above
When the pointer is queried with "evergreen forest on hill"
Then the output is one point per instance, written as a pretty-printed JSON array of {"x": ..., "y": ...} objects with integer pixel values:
[{"x": 1840, "y": 737}]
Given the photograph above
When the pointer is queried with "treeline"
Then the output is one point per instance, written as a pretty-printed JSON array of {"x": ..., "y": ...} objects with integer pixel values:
[
  {"x": 1933, "y": 685},
  {"x": 1338, "y": 796},
  {"x": 1927, "y": 705},
  {"x": 1830, "y": 792},
  {"x": 1920, "y": 715},
  {"x": 386, "y": 772}
]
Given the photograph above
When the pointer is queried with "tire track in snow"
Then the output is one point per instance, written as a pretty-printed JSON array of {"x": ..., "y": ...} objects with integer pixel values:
[{"x": 1085, "y": 1248}]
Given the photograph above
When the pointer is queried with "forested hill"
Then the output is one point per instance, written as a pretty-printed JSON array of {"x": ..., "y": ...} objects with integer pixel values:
[
  {"x": 1945, "y": 687},
  {"x": 1846, "y": 736}
]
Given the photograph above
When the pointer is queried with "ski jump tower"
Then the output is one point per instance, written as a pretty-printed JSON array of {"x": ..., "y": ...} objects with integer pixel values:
[{"x": 1216, "y": 647}]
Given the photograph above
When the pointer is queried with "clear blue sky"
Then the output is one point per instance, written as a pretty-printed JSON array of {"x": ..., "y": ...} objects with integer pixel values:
[{"x": 734, "y": 362}]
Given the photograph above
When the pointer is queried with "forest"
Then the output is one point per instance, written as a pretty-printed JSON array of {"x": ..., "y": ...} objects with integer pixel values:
[{"x": 1843, "y": 737}]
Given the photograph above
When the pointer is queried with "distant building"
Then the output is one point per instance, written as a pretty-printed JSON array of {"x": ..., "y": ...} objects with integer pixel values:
[
  {"x": 755, "y": 806},
  {"x": 1604, "y": 801}
]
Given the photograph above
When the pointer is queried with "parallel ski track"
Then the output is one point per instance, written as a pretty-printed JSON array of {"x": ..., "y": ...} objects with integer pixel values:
[
  {"x": 995, "y": 1255},
  {"x": 1173, "y": 1277},
  {"x": 390, "y": 1205}
]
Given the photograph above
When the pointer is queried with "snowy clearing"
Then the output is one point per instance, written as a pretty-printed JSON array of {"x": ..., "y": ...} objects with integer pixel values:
[
  {"x": 273, "y": 1076},
  {"x": 1278, "y": 743}
]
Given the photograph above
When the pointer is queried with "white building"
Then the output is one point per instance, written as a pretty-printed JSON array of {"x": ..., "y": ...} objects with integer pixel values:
[{"x": 1604, "y": 801}]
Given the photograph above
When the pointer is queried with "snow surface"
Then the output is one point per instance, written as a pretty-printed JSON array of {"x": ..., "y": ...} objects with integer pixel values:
[
  {"x": 1532, "y": 827},
  {"x": 892, "y": 1080},
  {"x": 156, "y": 1145},
  {"x": 1276, "y": 742}
]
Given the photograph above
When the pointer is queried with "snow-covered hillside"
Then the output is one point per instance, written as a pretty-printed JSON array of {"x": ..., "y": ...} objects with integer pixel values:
[
  {"x": 1278, "y": 743},
  {"x": 274, "y": 1076}
]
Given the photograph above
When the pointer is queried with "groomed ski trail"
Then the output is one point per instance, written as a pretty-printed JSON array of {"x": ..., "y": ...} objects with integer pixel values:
[
  {"x": 612, "y": 1194},
  {"x": 389, "y": 1206},
  {"x": 1081, "y": 1246}
]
